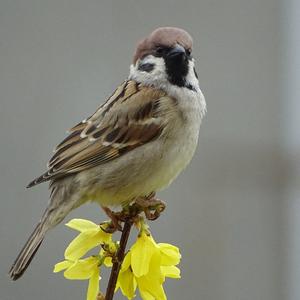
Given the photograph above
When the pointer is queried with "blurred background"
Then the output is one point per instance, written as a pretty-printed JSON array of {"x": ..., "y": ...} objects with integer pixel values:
[{"x": 235, "y": 211}]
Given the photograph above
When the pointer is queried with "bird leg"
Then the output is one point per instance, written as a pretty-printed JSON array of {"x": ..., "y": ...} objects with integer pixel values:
[
  {"x": 151, "y": 206},
  {"x": 115, "y": 219}
]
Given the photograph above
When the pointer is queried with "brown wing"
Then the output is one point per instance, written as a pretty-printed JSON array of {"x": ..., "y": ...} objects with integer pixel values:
[{"x": 131, "y": 117}]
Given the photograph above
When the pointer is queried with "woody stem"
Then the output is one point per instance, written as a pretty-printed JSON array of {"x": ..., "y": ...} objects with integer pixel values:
[{"x": 119, "y": 259}]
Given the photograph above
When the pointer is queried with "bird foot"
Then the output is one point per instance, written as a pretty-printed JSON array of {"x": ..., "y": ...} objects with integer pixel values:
[
  {"x": 152, "y": 207},
  {"x": 115, "y": 220}
]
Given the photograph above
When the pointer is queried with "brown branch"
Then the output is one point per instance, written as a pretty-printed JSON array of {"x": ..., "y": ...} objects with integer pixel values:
[
  {"x": 119, "y": 259},
  {"x": 152, "y": 208}
]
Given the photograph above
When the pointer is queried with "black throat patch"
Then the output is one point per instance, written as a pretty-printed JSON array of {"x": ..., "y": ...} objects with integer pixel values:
[{"x": 177, "y": 68}]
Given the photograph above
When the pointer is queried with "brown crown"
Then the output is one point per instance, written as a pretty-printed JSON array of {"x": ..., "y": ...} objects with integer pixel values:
[{"x": 163, "y": 36}]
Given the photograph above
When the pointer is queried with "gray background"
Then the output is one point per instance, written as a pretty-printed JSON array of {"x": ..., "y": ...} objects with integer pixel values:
[{"x": 235, "y": 211}]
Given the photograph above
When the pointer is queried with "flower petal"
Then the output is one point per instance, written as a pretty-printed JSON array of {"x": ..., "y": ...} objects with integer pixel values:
[
  {"x": 82, "y": 225},
  {"x": 86, "y": 241},
  {"x": 170, "y": 254},
  {"x": 146, "y": 295},
  {"x": 82, "y": 244},
  {"x": 155, "y": 274},
  {"x": 82, "y": 269},
  {"x": 62, "y": 266},
  {"x": 170, "y": 271},
  {"x": 93, "y": 288},
  {"x": 127, "y": 283},
  {"x": 126, "y": 262},
  {"x": 141, "y": 254},
  {"x": 149, "y": 287}
]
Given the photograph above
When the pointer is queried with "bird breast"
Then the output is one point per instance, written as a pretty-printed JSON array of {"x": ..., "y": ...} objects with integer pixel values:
[{"x": 152, "y": 166}]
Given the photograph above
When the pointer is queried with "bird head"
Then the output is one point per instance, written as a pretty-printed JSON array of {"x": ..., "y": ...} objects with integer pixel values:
[{"x": 165, "y": 58}]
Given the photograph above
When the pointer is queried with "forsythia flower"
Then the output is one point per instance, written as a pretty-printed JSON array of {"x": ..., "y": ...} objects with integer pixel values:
[
  {"x": 81, "y": 269},
  {"x": 91, "y": 235},
  {"x": 146, "y": 266}
]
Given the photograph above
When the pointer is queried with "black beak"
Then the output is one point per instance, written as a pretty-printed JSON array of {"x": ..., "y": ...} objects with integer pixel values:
[
  {"x": 177, "y": 52},
  {"x": 177, "y": 65}
]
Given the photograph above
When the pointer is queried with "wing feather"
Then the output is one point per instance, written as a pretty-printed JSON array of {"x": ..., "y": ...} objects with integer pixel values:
[{"x": 131, "y": 117}]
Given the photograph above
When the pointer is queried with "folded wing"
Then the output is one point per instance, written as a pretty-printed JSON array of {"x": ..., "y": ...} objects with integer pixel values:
[{"x": 131, "y": 117}]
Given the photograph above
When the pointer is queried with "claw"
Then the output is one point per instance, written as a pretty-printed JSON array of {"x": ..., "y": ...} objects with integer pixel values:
[
  {"x": 151, "y": 206},
  {"x": 115, "y": 218}
]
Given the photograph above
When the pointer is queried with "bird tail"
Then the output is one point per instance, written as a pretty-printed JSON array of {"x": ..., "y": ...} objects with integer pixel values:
[
  {"x": 30, "y": 248},
  {"x": 61, "y": 203}
]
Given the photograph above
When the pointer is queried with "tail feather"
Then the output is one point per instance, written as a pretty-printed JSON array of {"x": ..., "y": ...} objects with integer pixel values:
[
  {"x": 61, "y": 203},
  {"x": 27, "y": 253}
]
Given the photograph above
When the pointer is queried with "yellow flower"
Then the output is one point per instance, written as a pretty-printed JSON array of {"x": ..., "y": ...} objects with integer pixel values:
[
  {"x": 126, "y": 280},
  {"x": 170, "y": 271},
  {"x": 87, "y": 268},
  {"x": 91, "y": 235},
  {"x": 150, "y": 285},
  {"x": 146, "y": 266},
  {"x": 170, "y": 254},
  {"x": 141, "y": 254}
]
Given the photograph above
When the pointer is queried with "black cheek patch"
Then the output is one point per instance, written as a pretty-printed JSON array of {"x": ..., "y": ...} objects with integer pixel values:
[{"x": 147, "y": 67}]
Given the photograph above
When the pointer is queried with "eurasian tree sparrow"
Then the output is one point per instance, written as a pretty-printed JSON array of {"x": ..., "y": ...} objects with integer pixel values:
[{"x": 136, "y": 143}]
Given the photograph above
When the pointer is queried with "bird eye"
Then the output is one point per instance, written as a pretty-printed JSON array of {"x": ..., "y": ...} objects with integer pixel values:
[
  {"x": 188, "y": 52},
  {"x": 159, "y": 50}
]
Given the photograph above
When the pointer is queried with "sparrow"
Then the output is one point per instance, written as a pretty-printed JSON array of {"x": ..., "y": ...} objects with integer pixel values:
[{"x": 135, "y": 144}]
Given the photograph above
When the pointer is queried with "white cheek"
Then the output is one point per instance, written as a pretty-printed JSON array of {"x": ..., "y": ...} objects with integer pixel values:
[
  {"x": 157, "y": 75},
  {"x": 191, "y": 77},
  {"x": 159, "y": 79}
]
